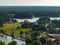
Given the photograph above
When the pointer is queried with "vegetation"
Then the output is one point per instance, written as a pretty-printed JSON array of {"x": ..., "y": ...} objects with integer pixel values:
[
  {"x": 49, "y": 42},
  {"x": 33, "y": 33},
  {"x": 13, "y": 43},
  {"x": 36, "y": 42},
  {"x": 9, "y": 28},
  {"x": 2, "y": 43}
]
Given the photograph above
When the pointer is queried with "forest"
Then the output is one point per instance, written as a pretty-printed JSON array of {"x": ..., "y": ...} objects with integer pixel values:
[
  {"x": 35, "y": 33},
  {"x": 29, "y": 13}
]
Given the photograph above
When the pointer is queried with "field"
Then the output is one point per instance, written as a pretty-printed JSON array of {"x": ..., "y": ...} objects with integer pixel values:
[{"x": 8, "y": 28}]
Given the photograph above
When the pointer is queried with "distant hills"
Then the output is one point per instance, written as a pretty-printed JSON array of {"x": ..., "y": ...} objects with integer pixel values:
[{"x": 44, "y": 8}]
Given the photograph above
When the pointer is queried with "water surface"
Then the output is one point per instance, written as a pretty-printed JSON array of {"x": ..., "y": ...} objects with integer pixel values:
[
  {"x": 37, "y": 18},
  {"x": 8, "y": 39}
]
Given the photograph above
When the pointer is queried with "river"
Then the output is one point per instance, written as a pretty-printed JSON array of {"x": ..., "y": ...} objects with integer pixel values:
[
  {"x": 35, "y": 19},
  {"x": 8, "y": 39}
]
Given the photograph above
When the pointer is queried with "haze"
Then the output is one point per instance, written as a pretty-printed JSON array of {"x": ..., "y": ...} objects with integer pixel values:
[{"x": 29, "y": 2}]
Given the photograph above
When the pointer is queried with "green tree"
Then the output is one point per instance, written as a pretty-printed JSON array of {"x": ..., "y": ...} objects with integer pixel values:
[
  {"x": 49, "y": 42},
  {"x": 11, "y": 17},
  {"x": 13, "y": 43},
  {"x": 1, "y": 25},
  {"x": 35, "y": 34},
  {"x": 21, "y": 33},
  {"x": 43, "y": 40},
  {"x": 13, "y": 34},
  {"x": 44, "y": 20},
  {"x": 36, "y": 42},
  {"x": 28, "y": 39},
  {"x": 26, "y": 24},
  {"x": 2, "y": 43}
]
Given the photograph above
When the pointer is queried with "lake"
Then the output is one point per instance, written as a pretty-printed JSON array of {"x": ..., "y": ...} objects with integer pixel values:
[{"x": 35, "y": 19}]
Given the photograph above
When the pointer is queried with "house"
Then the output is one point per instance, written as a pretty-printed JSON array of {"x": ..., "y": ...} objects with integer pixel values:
[{"x": 55, "y": 35}]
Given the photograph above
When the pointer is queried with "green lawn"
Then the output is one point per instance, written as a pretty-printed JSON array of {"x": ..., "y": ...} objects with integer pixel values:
[{"x": 11, "y": 27}]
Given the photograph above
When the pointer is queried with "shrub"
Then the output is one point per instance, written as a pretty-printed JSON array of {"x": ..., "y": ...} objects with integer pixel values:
[
  {"x": 13, "y": 43},
  {"x": 49, "y": 42},
  {"x": 36, "y": 42},
  {"x": 2, "y": 43}
]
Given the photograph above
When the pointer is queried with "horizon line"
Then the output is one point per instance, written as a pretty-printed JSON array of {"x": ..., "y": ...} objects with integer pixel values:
[{"x": 31, "y": 5}]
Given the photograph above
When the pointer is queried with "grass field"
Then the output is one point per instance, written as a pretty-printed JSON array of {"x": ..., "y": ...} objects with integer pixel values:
[{"x": 8, "y": 28}]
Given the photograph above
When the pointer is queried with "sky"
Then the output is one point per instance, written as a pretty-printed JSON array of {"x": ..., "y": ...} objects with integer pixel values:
[{"x": 29, "y": 2}]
